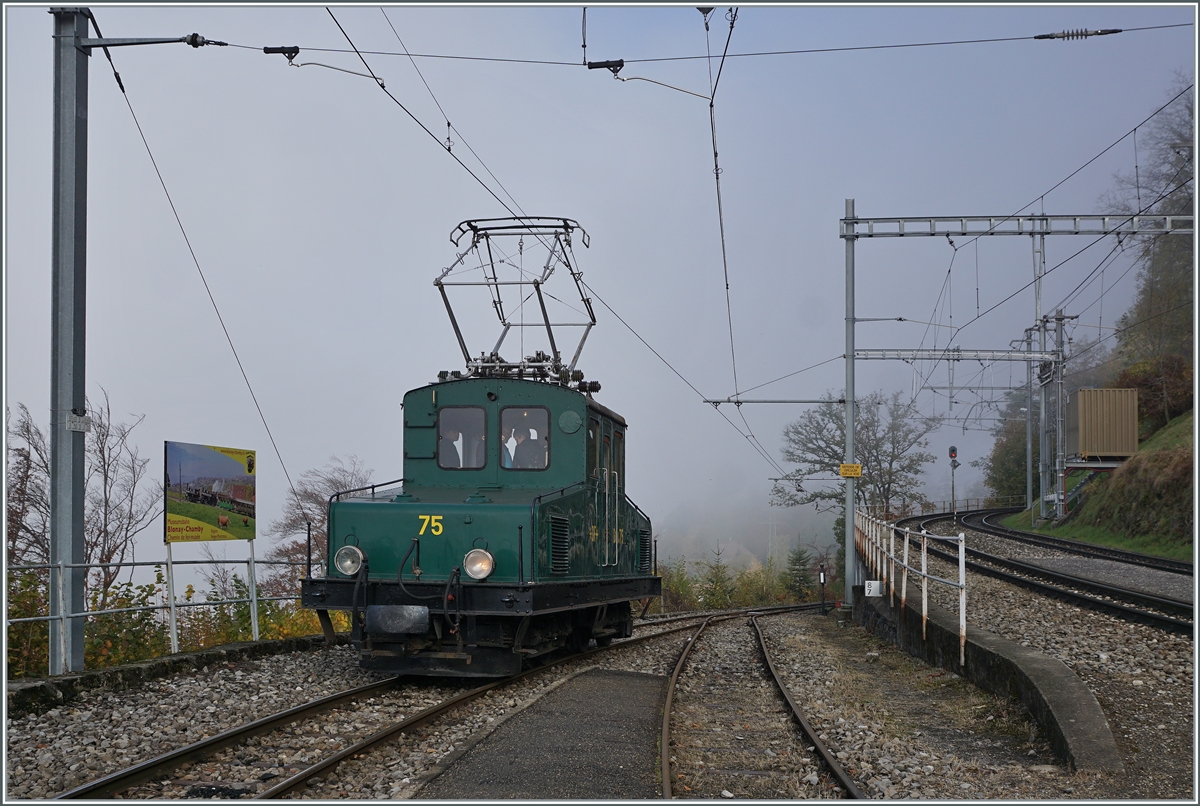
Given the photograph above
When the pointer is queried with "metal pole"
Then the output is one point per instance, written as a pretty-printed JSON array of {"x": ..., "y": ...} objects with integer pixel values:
[
  {"x": 171, "y": 597},
  {"x": 68, "y": 410},
  {"x": 1039, "y": 262},
  {"x": 253, "y": 594},
  {"x": 849, "y": 517},
  {"x": 953, "y": 500},
  {"x": 924, "y": 580},
  {"x": 962, "y": 599},
  {"x": 1060, "y": 476},
  {"x": 1029, "y": 426}
]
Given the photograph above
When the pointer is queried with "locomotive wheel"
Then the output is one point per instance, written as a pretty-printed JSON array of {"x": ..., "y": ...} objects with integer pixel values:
[
  {"x": 579, "y": 640},
  {"x": 604, "y": 640}
]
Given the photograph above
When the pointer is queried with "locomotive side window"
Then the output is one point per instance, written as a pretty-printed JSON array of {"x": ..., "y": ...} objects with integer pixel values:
[
  {"x": 525, "y": 438},
  {"x": 461, "y": 438},
  {"x": 593, "y": 447},
  {"x": 618, "y": 461}
]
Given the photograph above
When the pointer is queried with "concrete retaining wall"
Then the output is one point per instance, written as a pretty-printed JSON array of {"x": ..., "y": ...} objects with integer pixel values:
[
  {"x": 1064, "y": 708},
  {"x": 40, "y": 695}
]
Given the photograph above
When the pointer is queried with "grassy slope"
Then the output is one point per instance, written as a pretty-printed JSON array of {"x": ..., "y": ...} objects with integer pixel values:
[{"x": 1145, "y": 505}]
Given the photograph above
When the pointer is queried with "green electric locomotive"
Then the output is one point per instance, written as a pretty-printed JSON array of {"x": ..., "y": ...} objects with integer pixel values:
[{"x": 510, "y": 534}]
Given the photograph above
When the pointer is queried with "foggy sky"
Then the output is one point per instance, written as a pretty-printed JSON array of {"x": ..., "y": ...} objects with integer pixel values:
[{"x": 320, "y": 214}]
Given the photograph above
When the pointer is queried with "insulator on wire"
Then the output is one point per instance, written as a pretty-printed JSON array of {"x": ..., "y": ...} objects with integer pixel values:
[{"x": 1079, "y": 33}]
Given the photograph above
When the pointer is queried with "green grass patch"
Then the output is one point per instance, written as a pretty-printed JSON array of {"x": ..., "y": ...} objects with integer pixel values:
[
  {"x": 1145, "y": 505},
  {"x": 1155, "y": 545},
  {"x": 1176, "y": 434}
]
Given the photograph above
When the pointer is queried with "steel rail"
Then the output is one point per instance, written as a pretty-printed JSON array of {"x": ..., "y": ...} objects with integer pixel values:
[
  {"x": 1168, "y": 604},
  {"x": 838, "y": 771},
  {"x": 110, "y": 785},
  {"x": 665, "y": 741},
  {"x": 300, "y": 779},
  {"x": 980, "y": 521},
  {"x": 699, "y": 614},
  {"x": 121, "y": 780},
  {"x": 1124, "y": 612}
]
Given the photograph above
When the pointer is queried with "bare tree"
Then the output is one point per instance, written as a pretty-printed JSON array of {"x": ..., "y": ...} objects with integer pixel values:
[
  {"x": 117, "y": 508},
  {"x": 27, "y": 490},
  {"x": 890, "y": 438},
  {"x": 308, "y": 503},
  {"x": 117, "y": 505}
]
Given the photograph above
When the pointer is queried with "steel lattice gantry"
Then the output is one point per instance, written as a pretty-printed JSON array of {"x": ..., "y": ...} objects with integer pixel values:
[
  {"x": 968, "y": 226},
  {"x": 1037, "y": 227}
]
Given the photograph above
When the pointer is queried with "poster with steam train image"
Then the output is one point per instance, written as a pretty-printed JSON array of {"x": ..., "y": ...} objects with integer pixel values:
[{"x": 209, "y": 493}]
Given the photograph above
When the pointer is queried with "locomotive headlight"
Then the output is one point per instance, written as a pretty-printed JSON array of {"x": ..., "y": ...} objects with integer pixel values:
[
  {"x": 348, "y": 560},
  {"x": 479, "y": 564}
]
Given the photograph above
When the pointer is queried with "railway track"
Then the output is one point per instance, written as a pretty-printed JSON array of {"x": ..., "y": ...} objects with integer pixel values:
[
  {"x": 1173, "y": 615},
  {"x": 379, "y": 698},
  {"x": 732, "y": 690},
  {"x": 984, "y": 521}
]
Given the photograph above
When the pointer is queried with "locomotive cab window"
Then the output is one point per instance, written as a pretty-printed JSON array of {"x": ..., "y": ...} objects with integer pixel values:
[
  {"x": 525, "y": 438},
  {"x": 618, "y": 459},
  {"x": 461, "y": 438}
]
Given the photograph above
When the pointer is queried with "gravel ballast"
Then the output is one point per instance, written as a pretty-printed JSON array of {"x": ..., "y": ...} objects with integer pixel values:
[
  {"x": 1142, "y": 677},
  {"x": 903, "y": 728}
]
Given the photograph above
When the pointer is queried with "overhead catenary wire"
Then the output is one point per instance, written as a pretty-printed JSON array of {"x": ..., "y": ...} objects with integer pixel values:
[
  {"x": 1165, "y": 193},
  {"x": 754, "y": 54},
  {"x": 679, "y": 375},
  {"x": 712, "y": 120},
  {"x": 446, "y": 117},
  {"x": 212, "y": 299},
  {"x": 752, "y": 441},
  {"x": 1058, "y": 265},
  {"x": 1068, "y": 177},
  {"x": 417, "y": 120}
]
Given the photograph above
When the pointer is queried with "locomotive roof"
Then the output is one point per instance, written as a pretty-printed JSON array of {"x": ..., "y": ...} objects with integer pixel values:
[{"x": 592, "y": 403}]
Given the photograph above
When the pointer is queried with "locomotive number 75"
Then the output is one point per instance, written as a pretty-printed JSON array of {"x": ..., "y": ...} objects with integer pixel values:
[{"x": 431, "y": 522}]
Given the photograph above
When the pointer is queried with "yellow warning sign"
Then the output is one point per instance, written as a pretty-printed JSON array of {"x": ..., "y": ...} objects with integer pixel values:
[{"x": 850, "y": 471}]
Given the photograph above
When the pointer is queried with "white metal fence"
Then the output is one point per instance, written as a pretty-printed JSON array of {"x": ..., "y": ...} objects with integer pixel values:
[
  {"x": 875, "y": 539},
  {"x": 170, "y": 605}
]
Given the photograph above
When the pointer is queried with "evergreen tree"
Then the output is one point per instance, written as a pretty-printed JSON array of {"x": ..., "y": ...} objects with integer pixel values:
[
  {"x": 678, "y": 590},
  {"x": 764, "y": 584},
  {"x": 800, "y": 578},
  {"x": 716, "y": 583}
]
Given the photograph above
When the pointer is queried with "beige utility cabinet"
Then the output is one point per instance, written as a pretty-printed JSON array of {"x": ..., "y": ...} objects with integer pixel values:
[{"x": 1102, "y": 423}]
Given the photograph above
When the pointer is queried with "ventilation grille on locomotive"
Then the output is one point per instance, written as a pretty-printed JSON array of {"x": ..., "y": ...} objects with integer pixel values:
[
  {"x": 560, "y": 544},
  {"x": 644, "y": 550}
]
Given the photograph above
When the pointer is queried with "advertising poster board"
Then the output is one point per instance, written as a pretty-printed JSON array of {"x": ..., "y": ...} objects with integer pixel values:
[{"x": 210, "y": 493}]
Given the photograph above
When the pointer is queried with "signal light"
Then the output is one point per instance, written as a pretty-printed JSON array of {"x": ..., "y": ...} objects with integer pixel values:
[{"x": 953, "y": 452}]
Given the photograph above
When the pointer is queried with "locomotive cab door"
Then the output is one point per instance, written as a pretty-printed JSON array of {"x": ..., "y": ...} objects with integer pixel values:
[{"x": 606, "y": 469}]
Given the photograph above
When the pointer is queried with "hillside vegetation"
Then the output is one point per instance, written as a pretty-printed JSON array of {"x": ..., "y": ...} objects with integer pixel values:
[{"x": 1146, "y": 504}]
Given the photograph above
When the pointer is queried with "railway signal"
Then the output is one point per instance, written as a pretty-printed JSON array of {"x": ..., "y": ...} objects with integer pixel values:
[{"x": 954, "y": 464}]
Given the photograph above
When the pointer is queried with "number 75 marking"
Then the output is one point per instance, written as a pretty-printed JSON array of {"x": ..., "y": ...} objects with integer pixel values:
[{"x": 431, "y": 522}]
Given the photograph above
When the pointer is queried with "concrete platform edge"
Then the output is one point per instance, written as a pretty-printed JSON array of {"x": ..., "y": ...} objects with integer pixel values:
[
  {"x": 1063, "y": 707},
  {"x": 37, "y": 696}
]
